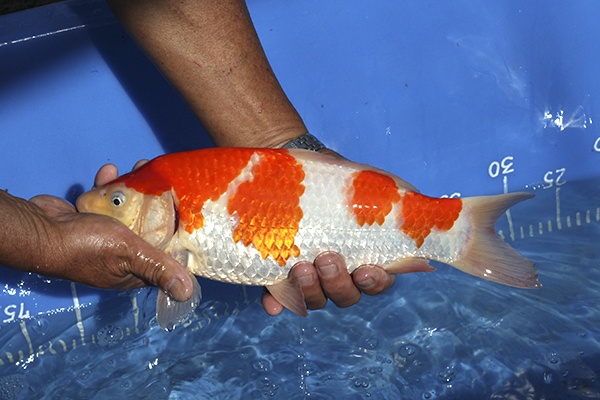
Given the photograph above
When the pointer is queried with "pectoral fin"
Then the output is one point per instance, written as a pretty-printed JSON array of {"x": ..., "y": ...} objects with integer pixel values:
[{"x": 169, "y": 312}]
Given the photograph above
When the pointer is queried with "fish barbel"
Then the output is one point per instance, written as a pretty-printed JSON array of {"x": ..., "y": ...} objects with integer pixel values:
[{"x": 247, "y": 216}]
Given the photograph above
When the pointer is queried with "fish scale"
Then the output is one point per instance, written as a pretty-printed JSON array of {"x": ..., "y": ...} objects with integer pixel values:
[
  {"x": 326, "y": 225},
  {"x": 247, "y": 216}
]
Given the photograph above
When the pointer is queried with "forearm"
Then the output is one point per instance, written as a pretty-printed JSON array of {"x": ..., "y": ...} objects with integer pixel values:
[{"x": 210, "y": 52}]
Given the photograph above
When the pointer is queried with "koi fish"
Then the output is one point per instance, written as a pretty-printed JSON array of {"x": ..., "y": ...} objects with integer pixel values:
[{"x": 246, "y": 216}]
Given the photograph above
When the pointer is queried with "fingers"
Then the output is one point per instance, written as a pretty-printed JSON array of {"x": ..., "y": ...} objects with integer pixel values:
[
  {"x": 328, "y": 278},
  {"x": 145, "y": 262},
  {"x": 335, "y": 280},
  {"x": 305, "y": 273},
  {"x": 271, "y": 306},
  {"x": 105, "y": 174},
  {"x": 109, "y": 172},
  {"x": 157, "y": 268},
  {"x": 372, "y": 280},
  {"x": 139, "y": 164}
]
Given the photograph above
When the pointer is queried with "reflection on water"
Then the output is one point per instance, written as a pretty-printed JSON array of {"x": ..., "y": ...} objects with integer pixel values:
[{"x": 443, "y": 335}]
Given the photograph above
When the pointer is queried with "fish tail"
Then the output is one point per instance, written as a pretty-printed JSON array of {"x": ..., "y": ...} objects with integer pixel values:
[{"x": 486, "y": 254}]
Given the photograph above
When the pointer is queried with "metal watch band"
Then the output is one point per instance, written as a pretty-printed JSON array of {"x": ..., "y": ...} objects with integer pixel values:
[{"x": 306, "y": 141}]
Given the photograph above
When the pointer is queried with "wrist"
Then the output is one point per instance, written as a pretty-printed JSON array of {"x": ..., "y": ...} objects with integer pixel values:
[
  {"x": 259, "y": 136},
  {"x": 306, "y": 142}
]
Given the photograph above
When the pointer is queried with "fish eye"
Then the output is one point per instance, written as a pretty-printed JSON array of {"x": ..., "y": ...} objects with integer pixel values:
[{"x": 117, "y": 199}]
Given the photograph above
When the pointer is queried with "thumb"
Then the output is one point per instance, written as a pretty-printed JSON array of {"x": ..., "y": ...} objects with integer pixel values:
[
  {"x": 53, "y": 206},
  {"x": 159, "y": 269}
]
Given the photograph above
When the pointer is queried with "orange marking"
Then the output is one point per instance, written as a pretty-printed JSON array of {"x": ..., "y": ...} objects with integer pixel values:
[
  {"x": 194, "y": 176},
  {"x": 372, "y": 196},
  {"x": 268, "y": 206},
  {"x": 421, "y": 214}
]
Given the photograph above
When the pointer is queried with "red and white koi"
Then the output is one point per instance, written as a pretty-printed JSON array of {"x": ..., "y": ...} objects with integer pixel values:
[{"x": 246, "y": 216}]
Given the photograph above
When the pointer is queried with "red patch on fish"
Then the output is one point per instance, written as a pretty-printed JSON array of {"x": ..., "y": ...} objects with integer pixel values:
[
  {"x": 420, "y": 214},
  {"x": 148, "y": 180},
  {"x": 194, "y": 177},
  {"x": 269, "y": 216},
  {"x": 372, "y": 197}
]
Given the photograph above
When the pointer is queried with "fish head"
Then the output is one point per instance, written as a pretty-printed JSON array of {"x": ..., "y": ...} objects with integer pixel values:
[
  {"x": 152, "y": 217},
  {"x": 116, "y": 201}
]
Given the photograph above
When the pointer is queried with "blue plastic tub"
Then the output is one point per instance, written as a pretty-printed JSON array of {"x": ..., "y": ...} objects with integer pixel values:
[{"x": 459, "y": 98}]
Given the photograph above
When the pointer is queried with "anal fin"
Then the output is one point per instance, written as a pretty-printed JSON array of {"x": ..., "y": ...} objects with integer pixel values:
[{"x": 409, "y": 265}]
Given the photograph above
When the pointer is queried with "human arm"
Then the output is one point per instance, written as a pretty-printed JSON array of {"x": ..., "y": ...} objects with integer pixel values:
[
  {"x": 47, "y": 236},
  {"x": 211, "y": 54}
]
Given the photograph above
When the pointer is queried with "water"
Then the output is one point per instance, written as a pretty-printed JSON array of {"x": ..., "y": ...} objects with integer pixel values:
[{"x": 443, "y": 335}]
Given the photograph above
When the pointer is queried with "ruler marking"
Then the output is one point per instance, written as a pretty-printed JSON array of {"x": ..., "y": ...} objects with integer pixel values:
[
  {"x": 26, "y": 336},
  {"x": 511, "y": 228},
  {"x": 136, "y": 313},
  {"x": 77, "y": 309},
  {"x": 558, "y": 221}
]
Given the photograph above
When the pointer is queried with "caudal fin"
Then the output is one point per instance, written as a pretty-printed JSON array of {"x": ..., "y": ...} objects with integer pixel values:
[{"x": 486, "y": 254}]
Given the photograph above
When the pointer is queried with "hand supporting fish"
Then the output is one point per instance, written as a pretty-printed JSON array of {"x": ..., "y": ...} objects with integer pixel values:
[
  {"x": 247, "y": 216},
  {"x": 46, "y": 235}
]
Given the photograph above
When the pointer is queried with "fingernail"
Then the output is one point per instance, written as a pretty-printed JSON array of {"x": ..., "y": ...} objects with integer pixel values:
[
  {"x": 328, "y": 270},
  {"x": 306, "y": 280}
]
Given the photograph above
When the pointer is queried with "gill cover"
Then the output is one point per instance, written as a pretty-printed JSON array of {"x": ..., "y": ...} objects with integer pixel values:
[{"x": 156, "y": 219}]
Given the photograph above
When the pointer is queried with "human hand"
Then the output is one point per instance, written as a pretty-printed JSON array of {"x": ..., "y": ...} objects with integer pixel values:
[
  {"x": 328, "y": 278},
  {"x": 101, "y": 252},
  {"x": 46, "y": 235}
]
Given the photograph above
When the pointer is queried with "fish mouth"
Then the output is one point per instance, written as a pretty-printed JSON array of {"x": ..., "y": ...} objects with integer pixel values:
[{"x": 87, "y": 200}]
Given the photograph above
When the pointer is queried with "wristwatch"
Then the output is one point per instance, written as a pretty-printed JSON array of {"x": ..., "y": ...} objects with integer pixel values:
[{"x": 306, "y": 141}]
